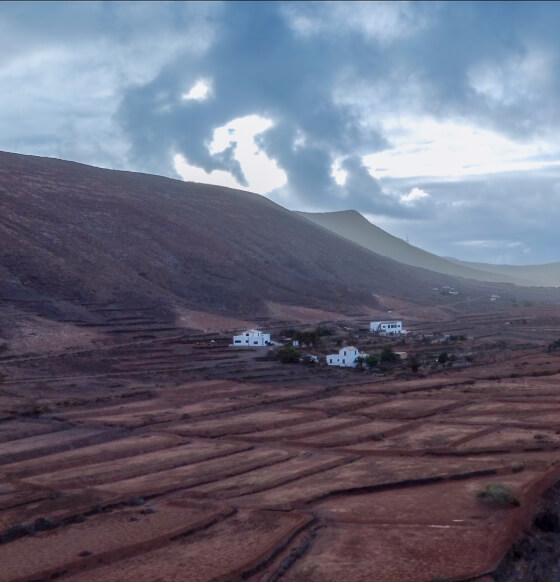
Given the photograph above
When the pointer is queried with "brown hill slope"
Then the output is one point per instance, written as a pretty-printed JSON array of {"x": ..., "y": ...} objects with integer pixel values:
[
  {"x": 73, "y": 234},
  {"x": 353, "y": 226},
  {"x": 546, "y": 275}
]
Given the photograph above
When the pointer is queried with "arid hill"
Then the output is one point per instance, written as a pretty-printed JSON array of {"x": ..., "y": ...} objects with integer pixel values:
[
  {"x": 74, "y": 234},
  {"x": 353, "y": 226},
  {"x": 547, "y": 275}
]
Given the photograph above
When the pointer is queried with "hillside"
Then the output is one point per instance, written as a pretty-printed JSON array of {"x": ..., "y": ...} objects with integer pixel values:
[
  {"x": 546, "y": 275},
  {"x": 353, "y": 226},
  {"x": 75, "y": 236}
]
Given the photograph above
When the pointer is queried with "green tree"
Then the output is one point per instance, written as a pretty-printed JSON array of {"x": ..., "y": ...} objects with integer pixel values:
[
  {"x": 388, "y": 355},
  {"x": 443, "y": 358},
  {"x": 359, "y": 362},
  {"x": 287, "y": 354},
  {"x": 371, "y": 360}
]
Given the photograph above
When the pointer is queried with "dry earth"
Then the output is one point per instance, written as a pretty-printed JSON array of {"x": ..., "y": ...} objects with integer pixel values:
[{"x": 160, "y": 453}]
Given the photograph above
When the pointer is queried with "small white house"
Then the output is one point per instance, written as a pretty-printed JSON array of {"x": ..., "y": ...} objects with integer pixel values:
[
  {"x": 346, "y": 357},
  {"x": 387, "y": 327},
  {"x": 253, "y": 338}
]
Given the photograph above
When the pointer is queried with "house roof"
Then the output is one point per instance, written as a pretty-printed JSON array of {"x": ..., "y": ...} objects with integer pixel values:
[{"x": 350, "y": 348}]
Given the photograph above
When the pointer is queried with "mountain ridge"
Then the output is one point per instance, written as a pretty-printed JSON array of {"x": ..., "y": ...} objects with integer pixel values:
[{"x": 354, "y": 226}]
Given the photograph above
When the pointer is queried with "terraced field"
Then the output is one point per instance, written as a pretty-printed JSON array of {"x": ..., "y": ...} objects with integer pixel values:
[{"x": 180, "y": 458}]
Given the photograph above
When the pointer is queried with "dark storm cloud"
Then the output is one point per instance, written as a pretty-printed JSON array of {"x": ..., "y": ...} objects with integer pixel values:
[{"x": 258, "y": 66}]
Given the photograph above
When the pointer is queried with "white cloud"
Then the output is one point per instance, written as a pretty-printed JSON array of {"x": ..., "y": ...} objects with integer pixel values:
[
  {"x": 414, "y": 195},
  {"x": 425, "y": 147},
  {"x": 383, "y": 22},
  {"x": 191, "y": 173},
  {"x": 338, "y": 173},
  {"x": 261, "y": 172},
  {"x": 518, "y": 78},
  {"x": 200, "y": 91}
]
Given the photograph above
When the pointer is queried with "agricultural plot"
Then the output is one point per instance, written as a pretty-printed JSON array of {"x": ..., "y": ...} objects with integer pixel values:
[{"x": 169, "y": 457}]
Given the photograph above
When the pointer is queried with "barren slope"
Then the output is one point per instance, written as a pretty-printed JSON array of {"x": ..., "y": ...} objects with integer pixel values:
[
  {"x": 546, "y": 275},
  {"x": 76, "y": 234},
  {"x": 353, "y": 226}
]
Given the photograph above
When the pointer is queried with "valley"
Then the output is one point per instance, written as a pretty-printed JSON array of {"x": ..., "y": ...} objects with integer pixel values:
[{"x": 166, "y": 453}]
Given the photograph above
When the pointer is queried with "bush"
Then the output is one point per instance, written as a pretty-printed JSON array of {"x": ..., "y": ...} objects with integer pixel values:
[
  {"x": 414, "y": 363},
  {"x": 371, "y": 360},
  {"x": 288, "y": 354},
  {"x": 554, "y": 345},
  {"x": 547, "y": 521},
  {"x": 288, "y": 332},
  {"x": 498, "y": 495},
  {"x": 307, "y": 337},
  {"x": 388, "y": 355},
  {"x": 443, "y": 358}
]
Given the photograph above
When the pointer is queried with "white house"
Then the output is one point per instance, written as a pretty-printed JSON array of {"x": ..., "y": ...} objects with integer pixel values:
[
  {"x": 252, "y": 337},
  {"x": 346, "y": 357},
  {"x": 387, "y": 327}
]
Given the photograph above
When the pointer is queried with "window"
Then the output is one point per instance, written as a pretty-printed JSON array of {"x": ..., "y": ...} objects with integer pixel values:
[
  {"x": 344, "y": 353},
  {"x": 330, "y": 360},
  {"x": 237, "y": 341},
  {"x": 255, "y": 343}
]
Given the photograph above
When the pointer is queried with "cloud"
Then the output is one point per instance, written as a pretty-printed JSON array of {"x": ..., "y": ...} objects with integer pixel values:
[
  {"x": 235, "y": 141},
  {"x": 414, "y": 196},
  {"x": 68, "y": 66},
  {"x": 366, "y": 106},
  {"x": 382, "y": 22},
  {"x": 200, "y": 91}
]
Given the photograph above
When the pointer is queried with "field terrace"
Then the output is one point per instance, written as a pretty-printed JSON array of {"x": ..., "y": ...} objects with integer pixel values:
[{"x": 177, "y": 458}]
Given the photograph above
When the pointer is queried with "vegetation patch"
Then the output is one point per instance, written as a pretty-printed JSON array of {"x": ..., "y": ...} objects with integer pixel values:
[{"x": 498, "y": 495}]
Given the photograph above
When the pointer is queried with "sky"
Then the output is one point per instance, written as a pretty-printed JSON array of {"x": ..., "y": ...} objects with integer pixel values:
[{"x": 440, "y": 122}]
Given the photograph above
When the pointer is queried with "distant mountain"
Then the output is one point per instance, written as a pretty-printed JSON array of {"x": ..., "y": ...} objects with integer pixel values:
[
  {"x": 353, "y": 226},
  {"x": 547, "y": 275}
]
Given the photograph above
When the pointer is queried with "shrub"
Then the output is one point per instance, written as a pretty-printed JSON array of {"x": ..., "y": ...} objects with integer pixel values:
[
  {"x": 388, "y": 355},
  {"x": 498, "y": 495},
  {"x": 547, "y": 521},
  {"x": 554, "y": 345},
  {"x": 288, "y": 354},
  {"x": 414, "y": 363},
  {"x": 307, "y": 337},
  {"x": 443, "y": 358},
  {"x": 288, "y": 332},
  {"x": 371, "y": 360}
]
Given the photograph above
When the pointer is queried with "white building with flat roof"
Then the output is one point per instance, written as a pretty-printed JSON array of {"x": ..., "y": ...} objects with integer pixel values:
[
  {"x": 346, "y": 357},
  {"x": 252, "y": 338},
  {"x": 387, "y": 327}
]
